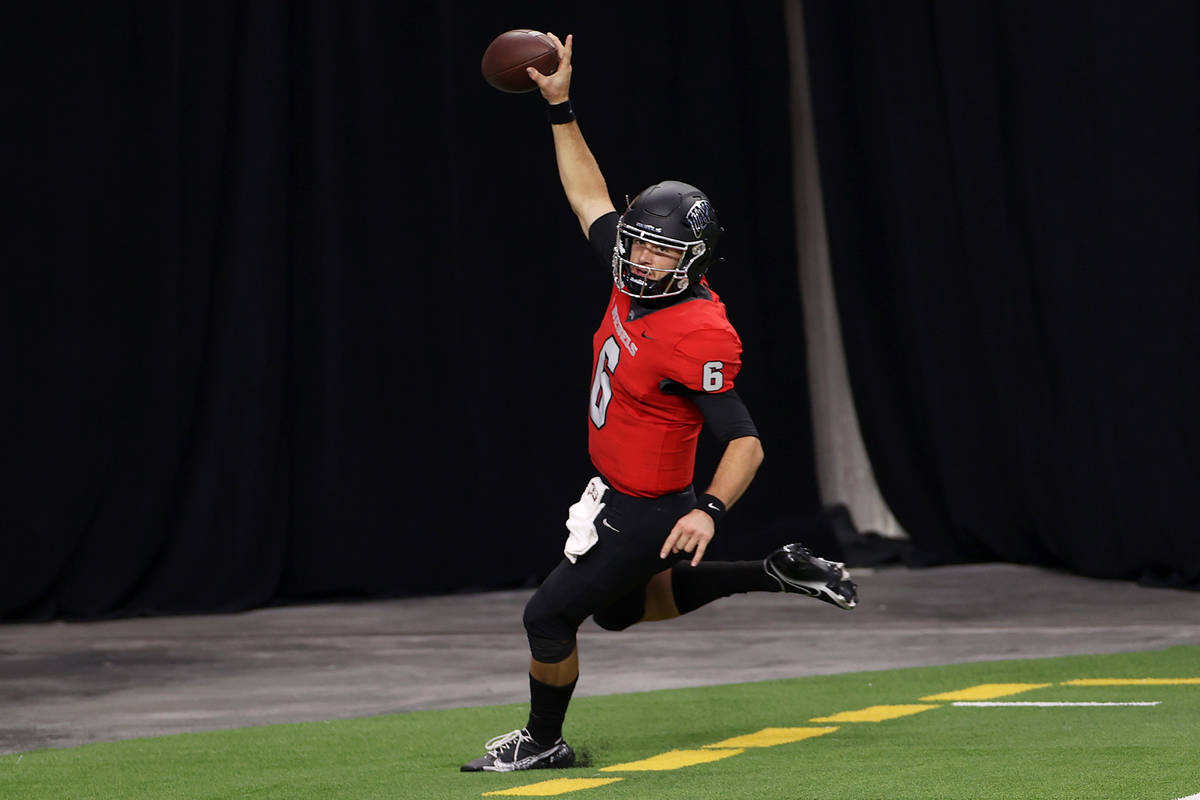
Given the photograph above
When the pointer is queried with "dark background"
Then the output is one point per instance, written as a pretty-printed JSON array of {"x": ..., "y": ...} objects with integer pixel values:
[{"x": 294, "y": 308}]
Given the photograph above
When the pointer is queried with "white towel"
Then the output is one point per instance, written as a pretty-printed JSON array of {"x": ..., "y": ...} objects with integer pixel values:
[{"x": 581, "y": 520}]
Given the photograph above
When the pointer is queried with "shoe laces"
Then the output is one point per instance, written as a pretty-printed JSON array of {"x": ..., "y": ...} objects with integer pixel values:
[{"x": 497, "y": 743}]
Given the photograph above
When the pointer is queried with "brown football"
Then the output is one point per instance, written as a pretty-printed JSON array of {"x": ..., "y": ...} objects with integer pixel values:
[{"x": 508, "y": 55}]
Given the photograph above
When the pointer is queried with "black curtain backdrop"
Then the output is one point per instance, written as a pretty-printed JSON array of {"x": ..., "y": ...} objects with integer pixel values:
[
  {"x": 1012, "y": 201},
  {"x": 295, "y": 309}
]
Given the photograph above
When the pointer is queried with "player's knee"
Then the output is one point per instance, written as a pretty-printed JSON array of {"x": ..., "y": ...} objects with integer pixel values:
[
  {"x": 551, "y": 635},
  {"x": 617, "y": 618},
  {"x": 623, "y": 612}
]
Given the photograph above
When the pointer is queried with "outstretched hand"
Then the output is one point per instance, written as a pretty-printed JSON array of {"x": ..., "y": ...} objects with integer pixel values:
[{"x": 555, "y": 88}]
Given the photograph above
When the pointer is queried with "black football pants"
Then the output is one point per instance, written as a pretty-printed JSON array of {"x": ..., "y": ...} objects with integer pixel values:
[{"x": 609, "y": 581}]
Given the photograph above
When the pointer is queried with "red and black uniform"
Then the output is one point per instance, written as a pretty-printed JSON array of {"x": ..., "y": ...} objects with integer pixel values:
[
  {"x": 642, "y": 428},
  {"x": 660, "y": 370}
]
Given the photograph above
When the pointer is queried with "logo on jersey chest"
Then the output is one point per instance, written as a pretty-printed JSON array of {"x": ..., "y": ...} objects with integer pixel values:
[{"x": 625, "y": 338}]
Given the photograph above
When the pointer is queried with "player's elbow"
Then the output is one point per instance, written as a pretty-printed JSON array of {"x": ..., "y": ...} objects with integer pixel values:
[
  {"x": 750, "y": 450},
  {"x": 759, "y": 454}
]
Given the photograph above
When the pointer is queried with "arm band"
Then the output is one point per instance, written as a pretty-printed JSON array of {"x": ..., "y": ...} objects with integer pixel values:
[
  {"x": 712, "y": 506},
  {"x": 725, "y": 413},
  {"x": 561, "y": 113}
]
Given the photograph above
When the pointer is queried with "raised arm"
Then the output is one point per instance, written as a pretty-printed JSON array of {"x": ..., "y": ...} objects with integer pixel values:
[{"x": 577, "y": 168}]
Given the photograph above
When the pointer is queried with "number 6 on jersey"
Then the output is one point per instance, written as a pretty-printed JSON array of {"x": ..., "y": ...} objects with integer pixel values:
[
  {"x": 601, "y": 395},
  {"x": 713, "y": 379}
]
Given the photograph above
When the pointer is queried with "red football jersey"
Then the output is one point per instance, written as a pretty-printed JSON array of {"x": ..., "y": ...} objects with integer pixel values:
[{"x": 643, "y": 439}]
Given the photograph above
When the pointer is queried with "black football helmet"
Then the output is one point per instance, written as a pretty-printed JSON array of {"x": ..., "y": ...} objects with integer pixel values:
[{"x": 673, "y": 215}]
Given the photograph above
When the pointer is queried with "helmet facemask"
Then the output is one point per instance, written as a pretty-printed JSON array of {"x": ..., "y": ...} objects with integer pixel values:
[
  {"x": 630, "y": 276},
  {"x": 670, "y": 216}
]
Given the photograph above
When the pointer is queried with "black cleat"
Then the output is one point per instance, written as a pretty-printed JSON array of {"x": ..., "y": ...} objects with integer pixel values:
[
  {"x": 798, "y": 570},
  {"x": 517, "y": 750}
]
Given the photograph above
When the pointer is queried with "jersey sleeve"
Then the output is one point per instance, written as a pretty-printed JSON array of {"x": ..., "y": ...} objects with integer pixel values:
[
  {"x": 724, "y": 412},
  {"x": 707, "y": 360},
  {"x": 603, "y": 237}
]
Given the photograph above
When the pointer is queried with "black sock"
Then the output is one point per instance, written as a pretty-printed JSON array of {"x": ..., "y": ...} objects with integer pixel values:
[
  {"x": 548, "y": 709},
  {"x": 712, "y": 580}
]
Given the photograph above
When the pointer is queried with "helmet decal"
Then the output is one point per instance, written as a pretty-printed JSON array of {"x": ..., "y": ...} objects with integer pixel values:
[{"x": 699, "y": 217}]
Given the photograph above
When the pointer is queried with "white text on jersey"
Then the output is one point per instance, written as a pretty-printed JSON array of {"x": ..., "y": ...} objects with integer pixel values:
[{"x": 621, "y": 334}]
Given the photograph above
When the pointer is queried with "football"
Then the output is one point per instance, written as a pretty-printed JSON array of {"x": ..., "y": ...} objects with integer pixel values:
[{"x": 508, "y": 55}]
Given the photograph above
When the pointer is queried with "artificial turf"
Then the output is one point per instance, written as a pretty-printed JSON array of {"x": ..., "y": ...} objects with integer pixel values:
[{"x": 1126, "y": 752}]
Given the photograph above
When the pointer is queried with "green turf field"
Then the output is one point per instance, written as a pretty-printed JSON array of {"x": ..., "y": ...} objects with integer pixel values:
[{"x": 895, "y": 734}]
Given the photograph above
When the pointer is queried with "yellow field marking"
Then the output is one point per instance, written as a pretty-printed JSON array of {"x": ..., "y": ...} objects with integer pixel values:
[
  {"x": 769, "y": 737},
  {"x": 673, "y": 759},
  {"x": 553, "y": 787},
  {"x": 874, "y": 713},
  {"x": 1049, "y": 704},
  {"x": 1133, "y": 682},
  {"x": 988, "y": 691}
]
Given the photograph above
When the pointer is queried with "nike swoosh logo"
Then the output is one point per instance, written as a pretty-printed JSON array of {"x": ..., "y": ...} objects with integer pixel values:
[
  {"x": 604, "y": 522},
  {"x": 644, "y": 336},
  {"x": 713, "y": 507}
]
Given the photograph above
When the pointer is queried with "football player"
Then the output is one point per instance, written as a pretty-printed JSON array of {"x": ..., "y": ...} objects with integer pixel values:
[{"x": 665, "y": 358}]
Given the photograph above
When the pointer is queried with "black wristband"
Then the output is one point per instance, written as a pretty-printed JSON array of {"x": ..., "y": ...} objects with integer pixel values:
[
  {"x": 561, "y": 113},
  {"x": 712, "y": 506}
]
